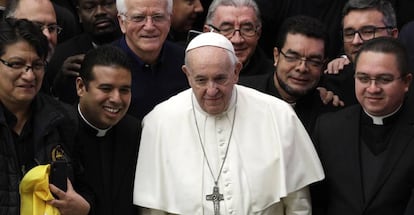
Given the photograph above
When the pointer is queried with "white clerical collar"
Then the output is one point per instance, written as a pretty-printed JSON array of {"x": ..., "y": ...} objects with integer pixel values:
[
  {"x": 233, "y": 101},
  {"x": 100, "y": 132},
  {"x": 379, "y": 120}
]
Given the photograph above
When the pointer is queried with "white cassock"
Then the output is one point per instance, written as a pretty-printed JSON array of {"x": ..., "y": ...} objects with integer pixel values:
[{"x": 269, "y": 164}]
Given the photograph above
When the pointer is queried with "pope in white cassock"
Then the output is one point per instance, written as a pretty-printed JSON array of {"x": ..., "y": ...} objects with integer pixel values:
[{"x": 220, "y": 148}]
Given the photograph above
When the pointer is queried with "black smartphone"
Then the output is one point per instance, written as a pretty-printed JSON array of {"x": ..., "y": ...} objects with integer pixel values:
[{"x": 58, "y": 174}]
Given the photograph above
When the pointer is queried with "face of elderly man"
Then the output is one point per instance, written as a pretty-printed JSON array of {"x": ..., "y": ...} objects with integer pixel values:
[
  {"x": 229, "y": 17},
  {"x": 145, "y": 24},
  {"x": 212, "y": 75}
]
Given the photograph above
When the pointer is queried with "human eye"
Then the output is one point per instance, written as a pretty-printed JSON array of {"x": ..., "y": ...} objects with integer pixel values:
[
  {"x": 367, "y": 30},
  {"x": 89, "y": 6},
  {"x": 137, "y": 18},
  {"x": 248, "y": 29},
  {"x": 384, "y": 79},
  {"x": 291, "y": 58},
  {"x": 349, "y": 32},
  {"x": 125, "y": 90},
  {"x": 220, "y": 79},
  {"x": 158, "y": 18},
  {"x": 315, "y": 62},
  {"x": 16, "y": 64},
  {"x": 105, "y": 88},
  {"x": 38, "y": 65},
  {"x": 363, "y": 78},
  {"x": 53, "y": 28},
  {"x": 226, "y": 29},
  {"x": 200, "y": 81}
]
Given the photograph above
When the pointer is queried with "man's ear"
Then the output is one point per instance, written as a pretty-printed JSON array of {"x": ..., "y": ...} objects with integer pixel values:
[
  {"x": 80, "y": 87},
  {"x": 394, "y": 32},
  {"x": 276, "y": 55},
  {"x": 206, "y": 28}
]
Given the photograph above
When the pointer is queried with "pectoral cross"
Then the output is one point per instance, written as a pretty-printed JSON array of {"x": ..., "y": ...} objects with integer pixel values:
[{"x": 216, "y": 197}]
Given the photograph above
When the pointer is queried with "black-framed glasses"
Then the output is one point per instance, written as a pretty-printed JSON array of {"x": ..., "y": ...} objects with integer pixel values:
[
  {"x": 379, "y": 80},
  {"x": 20, "y": 65},
  {"x": 247, "y": 30},
  {"x": 297, "y": 59},
  {"x": 365, "y": 33}
]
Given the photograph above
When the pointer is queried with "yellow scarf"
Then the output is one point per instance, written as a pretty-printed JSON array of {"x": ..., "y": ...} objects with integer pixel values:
[{"x": 34, "y": 192}]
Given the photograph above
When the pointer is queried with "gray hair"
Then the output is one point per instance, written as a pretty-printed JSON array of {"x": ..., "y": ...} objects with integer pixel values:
[
  {"x": 385, "y": 7},
  {"x": 122, "y": 9},
  {"x": 235, "y": 3}
]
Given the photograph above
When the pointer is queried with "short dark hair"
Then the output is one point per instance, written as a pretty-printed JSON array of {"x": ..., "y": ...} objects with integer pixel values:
[
  {"x": 16, "y": 30},
  {"x": 105, "y": 55},
  {"x": 304, "y": 25},
  {"x": 383, "y": 6},
  {"x": 387, "y": 45}
]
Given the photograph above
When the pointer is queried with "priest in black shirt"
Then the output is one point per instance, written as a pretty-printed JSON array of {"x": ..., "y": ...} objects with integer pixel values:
[
  {"x": 367, "y": 149},
  {"x": 108, "y": 138}
]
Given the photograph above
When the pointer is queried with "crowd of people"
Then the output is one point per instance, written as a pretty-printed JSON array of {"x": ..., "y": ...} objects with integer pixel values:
[{"x": 206, "y": 107}]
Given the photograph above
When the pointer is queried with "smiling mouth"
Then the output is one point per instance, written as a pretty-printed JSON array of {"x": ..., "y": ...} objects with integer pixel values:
[{"x": 112, "y": 110}]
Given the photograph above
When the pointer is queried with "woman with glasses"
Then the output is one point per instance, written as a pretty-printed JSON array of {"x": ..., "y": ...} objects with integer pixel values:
[{"x": 35, "y": 129}]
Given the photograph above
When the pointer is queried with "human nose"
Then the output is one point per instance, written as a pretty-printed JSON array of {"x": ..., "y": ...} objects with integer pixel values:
[
  {"x": 149, "y": 22},
  {"x": 211, "y": 88},
  {"x": 198, "y": 7},
  {"x": 357, "y": 38},
  {"x": 28, "y": 75},
  {"x": 236, "y": 36},
  {"x": 301, "y": 66},
  {"x": 47, "y": 34},
  {"x": 100, "y": 9},
  {"x": 373, "y": 85},
  {"x": 115, "y": 96}
]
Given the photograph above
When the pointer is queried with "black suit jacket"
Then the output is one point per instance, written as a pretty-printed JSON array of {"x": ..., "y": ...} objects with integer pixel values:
[
  {"x": 116, "y": 198},
  {"x": 336, "y": 138}
]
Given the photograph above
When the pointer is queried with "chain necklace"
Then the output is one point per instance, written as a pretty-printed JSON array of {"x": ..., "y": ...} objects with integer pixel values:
[{"x": 216, "y": 196}]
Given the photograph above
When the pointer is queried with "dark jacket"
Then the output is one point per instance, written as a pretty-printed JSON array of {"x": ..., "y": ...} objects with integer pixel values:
[
  {"x": 337, "y": 139},
  {"x": 53, "y": 128},
  {"x": 109, "y": 163},
  {"x": 153, "y": 84}
]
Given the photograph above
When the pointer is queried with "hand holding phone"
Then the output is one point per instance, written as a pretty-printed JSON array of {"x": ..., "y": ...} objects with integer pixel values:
[{"x": 58, "y": 175}]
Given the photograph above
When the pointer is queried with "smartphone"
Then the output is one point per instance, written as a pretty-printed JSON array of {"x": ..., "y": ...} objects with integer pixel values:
[{"x": 58, "y": 174}]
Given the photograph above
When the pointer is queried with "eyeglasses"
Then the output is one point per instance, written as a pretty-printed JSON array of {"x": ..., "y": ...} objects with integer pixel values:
[
  {"x": 52, "y": 28},
  {"x": 293, "y": 58},
  {"x": 141, "y": 19},
  {"x": 247, "y": 30},
  {"x": 365, "y": 33},
  {"x": 37, "y": 66},
  {"x": 380, "y": 80}
]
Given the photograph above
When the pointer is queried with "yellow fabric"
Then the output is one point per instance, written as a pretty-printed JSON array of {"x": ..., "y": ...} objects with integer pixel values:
[{"x": 34, "y": 192}]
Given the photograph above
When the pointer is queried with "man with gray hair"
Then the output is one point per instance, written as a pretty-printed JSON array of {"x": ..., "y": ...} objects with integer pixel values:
[
  {"x": 221, "y": 148},
  {"x": 156, "y": 74},
  {"x": 239, "y": 21}
]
